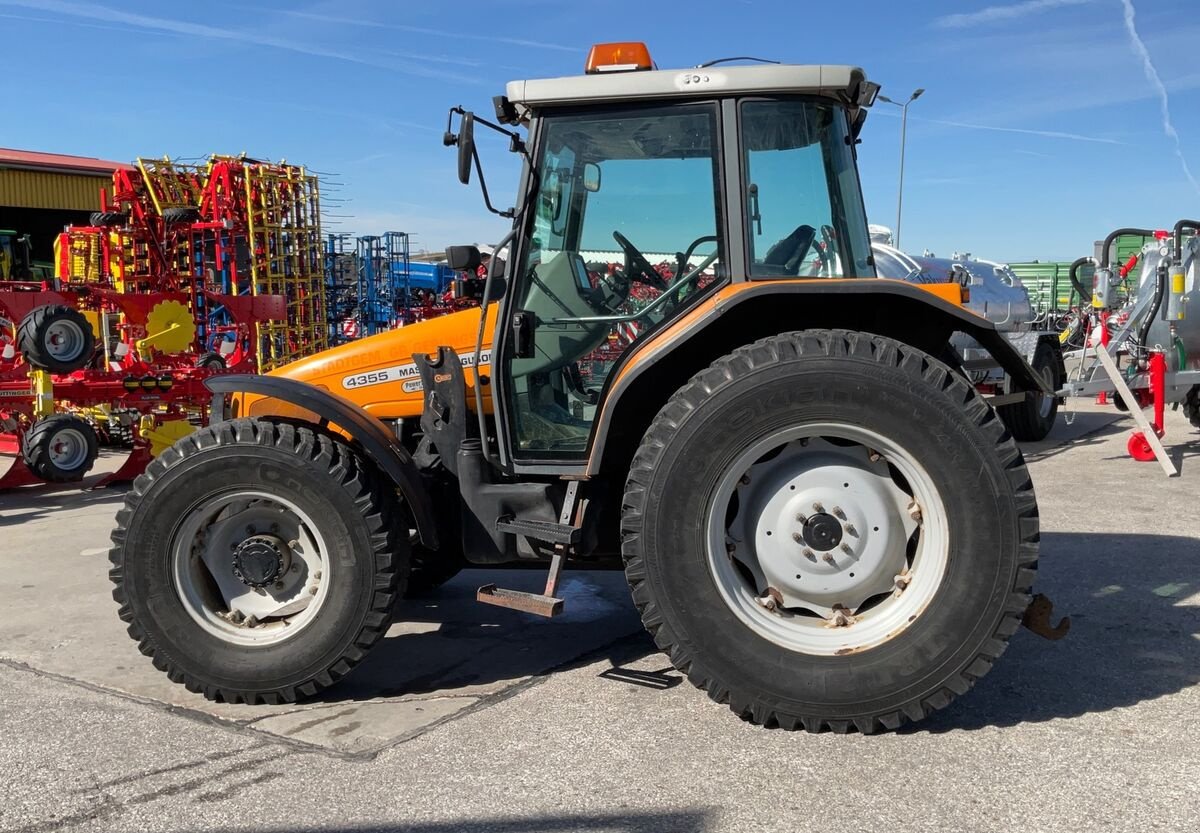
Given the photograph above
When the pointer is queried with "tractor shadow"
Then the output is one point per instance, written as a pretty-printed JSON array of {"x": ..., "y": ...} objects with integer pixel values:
[
  {"x": 1088, "y": 428},
  {"x": 447, "y": 642},
  {"x": 1133, "y": 639}
]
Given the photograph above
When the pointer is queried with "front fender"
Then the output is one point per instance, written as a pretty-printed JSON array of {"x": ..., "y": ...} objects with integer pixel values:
[{"x": 377, "y": 442}]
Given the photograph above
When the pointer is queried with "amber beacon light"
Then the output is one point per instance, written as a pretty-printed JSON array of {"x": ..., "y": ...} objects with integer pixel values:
[{"x": 618, "y": 57}]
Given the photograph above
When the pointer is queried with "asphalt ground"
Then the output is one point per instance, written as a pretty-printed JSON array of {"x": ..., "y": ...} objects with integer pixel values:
[{"x": 468, "y": 717}]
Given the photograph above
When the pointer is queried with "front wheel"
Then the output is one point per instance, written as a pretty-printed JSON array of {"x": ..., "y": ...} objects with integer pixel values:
[
  {"x": 830, "y": 530},
  {"x": 254, "y": 562}
]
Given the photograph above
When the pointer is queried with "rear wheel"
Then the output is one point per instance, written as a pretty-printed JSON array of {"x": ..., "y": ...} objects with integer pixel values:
[
  {"x": 56, "y": 338},
  {"x": 60, "y": 448},
  {"x": 253, "y": 563},
  {"x": 830, "y": 530}
]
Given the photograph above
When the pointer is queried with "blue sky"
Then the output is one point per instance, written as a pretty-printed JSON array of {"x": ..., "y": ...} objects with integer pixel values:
[{"x": 1042, "y": 126}]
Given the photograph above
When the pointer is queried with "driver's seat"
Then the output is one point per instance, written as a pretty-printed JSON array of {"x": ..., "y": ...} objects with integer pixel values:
[{"x": 785, "y": 257}]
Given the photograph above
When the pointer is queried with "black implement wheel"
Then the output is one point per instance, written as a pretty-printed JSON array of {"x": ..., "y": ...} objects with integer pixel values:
[
  {"x": 60, "y": 448},
  {"x": 211, "y": 361},
  {"x": 177, "y": 215},
  {"x": 56, "y": 338},
  {"x": 104, "y": 219},
  {"x": 253, "y": 561},
  {"x": 1033, "y": 419},
  {"x": 830, "y": 530}
]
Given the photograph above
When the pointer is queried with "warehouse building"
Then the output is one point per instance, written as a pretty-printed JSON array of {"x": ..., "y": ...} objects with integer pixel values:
[{"x": 42, "y": 192}]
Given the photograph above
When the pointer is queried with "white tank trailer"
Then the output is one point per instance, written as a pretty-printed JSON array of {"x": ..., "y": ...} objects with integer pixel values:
[{"x": 997, "y": 294}]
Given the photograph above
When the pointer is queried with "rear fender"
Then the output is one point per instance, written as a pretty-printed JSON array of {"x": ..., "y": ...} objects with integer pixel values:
[
  {"x": 743, "y": 313},
  {"x": 376, "y": 441}
]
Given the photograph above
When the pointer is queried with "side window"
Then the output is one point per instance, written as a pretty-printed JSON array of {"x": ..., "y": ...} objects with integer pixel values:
[
  {"x": 804, "y": 209},
  {"x": 625, "y": 236}
]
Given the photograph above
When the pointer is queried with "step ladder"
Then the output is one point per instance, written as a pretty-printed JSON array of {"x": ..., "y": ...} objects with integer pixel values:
[{"x": 564, "y": 536}]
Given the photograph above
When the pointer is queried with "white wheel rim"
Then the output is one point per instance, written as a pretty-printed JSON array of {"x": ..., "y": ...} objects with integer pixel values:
[
  {"x": 864, "y": 563},
  {"x": 205, "y": 551},
  {"x": 68, "y": 449},
  {"x": 1046, "y": 403},
  {"x": 64, "y": 341}
]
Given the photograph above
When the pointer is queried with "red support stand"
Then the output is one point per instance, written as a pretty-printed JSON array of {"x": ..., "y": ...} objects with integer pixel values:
[{"x": 134, "y": 465}]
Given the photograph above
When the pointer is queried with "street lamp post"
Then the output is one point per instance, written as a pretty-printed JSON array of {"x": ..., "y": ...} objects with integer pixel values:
[{"x": 903, "y": 135}]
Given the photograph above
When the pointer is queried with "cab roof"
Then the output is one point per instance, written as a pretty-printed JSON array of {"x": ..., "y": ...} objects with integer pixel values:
[{"x": 847, "y": 84}]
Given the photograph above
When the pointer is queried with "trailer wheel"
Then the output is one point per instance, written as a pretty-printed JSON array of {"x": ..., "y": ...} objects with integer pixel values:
[
  {"x": 60, "y": 448},
  {"x": 253, "y": 561},
  {"x": 830, "y": 530},
  {"x": 56, "y": 338},
  {"x": 1033, "y": 419}
]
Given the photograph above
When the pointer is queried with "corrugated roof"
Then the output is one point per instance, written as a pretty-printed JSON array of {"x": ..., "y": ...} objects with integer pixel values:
[{"x": 11, "y": 158}]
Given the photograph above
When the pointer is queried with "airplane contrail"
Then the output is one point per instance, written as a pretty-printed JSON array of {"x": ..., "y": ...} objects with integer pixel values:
[{"x": 1139, "y": 48}]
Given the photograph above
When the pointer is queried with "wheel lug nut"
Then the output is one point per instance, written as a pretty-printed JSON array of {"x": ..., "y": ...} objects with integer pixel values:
[
  {"x": 802, "y": 518},
  {"x": 797, "y": 537},
  {"x": 874, "y": 456},
  {"x": 809, "y": 554},
  {"x": 838, "y": 513},
  {"x": 846, "y": 549},
  {"x": 828, "y": 558},
  {"x": 851, "y": 531},
  {"x": 818, "y": 507},
  {"x": 914, "y": 511}
]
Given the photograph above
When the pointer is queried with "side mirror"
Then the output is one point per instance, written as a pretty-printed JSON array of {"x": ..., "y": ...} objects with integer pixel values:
[
  {"x": 463, "y": 258},
  {"x": 591, "y": 177},
  {"x": 466, "y": 147}
]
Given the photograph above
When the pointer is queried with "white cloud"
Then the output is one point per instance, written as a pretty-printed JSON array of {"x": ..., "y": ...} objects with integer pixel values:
[
  {"x": 489, "y": 37},
  {"x": 1025, "y": 131},
  {"x": 996, "y": 14},
  {"x": 106, "y": 14},
  {"x": 1139, "y": 48}
]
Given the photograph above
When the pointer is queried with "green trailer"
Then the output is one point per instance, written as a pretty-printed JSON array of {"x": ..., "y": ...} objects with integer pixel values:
[{"x": 1049, "y": 282}]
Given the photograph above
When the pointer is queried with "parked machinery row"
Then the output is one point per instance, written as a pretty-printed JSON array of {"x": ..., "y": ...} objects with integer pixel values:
[
  {"x": 185, "y": 272},
  {"x": 1134, "y": 344}
]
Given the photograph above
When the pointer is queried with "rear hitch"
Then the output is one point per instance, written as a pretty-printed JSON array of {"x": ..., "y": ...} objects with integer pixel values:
[{"x": 1037, "y": 619}]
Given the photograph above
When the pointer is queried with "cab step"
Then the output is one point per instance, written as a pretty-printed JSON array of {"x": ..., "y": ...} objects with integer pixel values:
[
  {"x": 547, "y": 531},
  {"x": 535, "y": 603}
]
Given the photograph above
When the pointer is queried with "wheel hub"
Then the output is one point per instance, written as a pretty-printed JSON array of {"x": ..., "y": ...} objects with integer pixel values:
[
  {"x": 822, "y": 532},
  {"x": 821, "y": 527},
  {"x": 259, "y": 560}
]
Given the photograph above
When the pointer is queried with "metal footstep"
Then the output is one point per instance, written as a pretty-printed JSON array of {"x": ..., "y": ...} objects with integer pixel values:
[{"x": 535, "y": 603}]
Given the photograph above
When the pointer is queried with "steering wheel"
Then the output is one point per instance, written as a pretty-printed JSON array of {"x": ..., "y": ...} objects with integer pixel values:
[{"x": 637, "y": 268}]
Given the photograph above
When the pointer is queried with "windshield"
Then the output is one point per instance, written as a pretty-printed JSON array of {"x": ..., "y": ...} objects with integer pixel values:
[{"x": 805, "y": 210}]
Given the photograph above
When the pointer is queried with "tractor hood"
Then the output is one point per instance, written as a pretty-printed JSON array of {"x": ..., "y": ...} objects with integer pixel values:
[{"x": 378, "y": 373}]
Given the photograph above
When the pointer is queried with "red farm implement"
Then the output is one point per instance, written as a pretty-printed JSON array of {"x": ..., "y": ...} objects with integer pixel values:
[{"x": 186, "y": 271}]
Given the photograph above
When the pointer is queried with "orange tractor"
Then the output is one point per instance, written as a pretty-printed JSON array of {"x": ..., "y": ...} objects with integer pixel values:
[{"x": 822, "y": 523}]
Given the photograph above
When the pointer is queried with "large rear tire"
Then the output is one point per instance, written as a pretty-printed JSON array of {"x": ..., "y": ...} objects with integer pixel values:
[
  {"x": 830, "y": 530},
  {"x": 253, "y": 561}
]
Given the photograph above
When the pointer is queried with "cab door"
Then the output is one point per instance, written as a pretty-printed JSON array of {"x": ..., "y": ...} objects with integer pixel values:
[{"x": 625, "y": 233}]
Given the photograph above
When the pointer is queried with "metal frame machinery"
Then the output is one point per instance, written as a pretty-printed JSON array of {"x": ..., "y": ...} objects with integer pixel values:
[
  {"x": 1135, "y": 345},
  {"x": 186, "y": 271}
]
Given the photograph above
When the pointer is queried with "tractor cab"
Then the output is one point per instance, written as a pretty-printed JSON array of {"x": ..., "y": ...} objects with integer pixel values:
[{"x": 646, "y": 191}]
